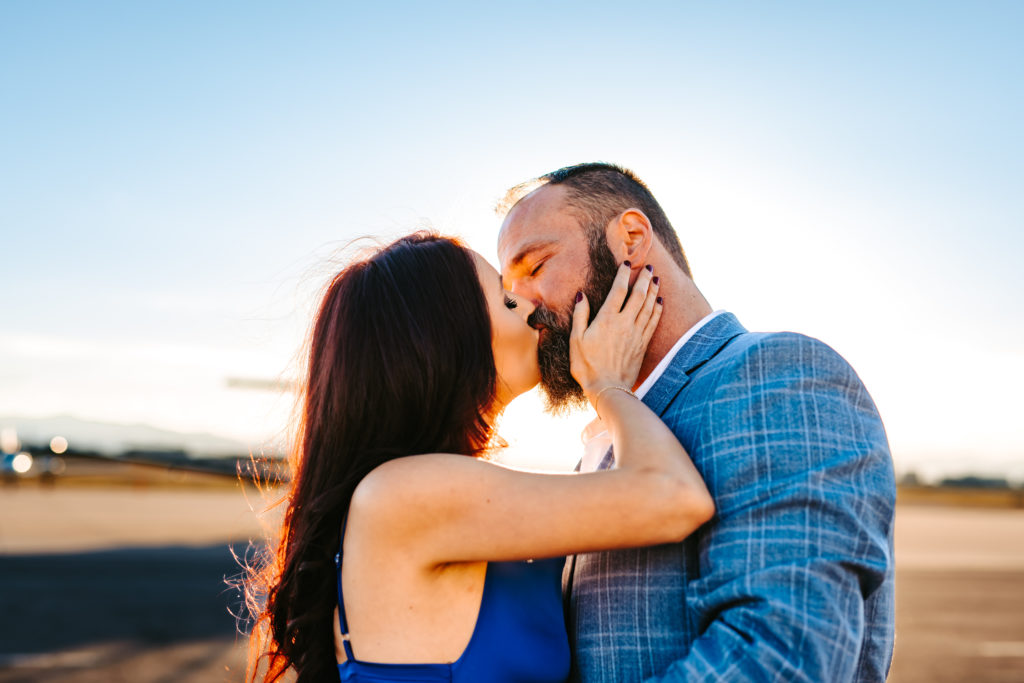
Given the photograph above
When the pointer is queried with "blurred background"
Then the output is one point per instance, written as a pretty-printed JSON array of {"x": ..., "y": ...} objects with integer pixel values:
[{"x": 179, "y": 180}]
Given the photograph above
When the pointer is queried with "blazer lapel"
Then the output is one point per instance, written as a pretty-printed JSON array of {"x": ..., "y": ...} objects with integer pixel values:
[
  {"x": 708, "y": 341},
  {"x": 698, "y": 350}
]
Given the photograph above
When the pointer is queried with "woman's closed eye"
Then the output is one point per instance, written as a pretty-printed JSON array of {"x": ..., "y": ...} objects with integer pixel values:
[{"x": 510, "y": 303}]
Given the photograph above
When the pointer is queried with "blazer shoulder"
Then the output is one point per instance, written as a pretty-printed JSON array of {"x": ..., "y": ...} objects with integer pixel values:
[
  {"x": 781, "y": 352},
  {"x": 780, "y": 407},
  {"x": 775, "y": 369}
]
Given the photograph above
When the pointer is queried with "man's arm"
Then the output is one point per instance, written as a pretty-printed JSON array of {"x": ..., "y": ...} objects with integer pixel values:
[{"x": 796, "y": 458}]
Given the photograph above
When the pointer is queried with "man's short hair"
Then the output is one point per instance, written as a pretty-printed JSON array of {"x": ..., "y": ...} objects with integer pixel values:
[{"x": 599, "y": 192}]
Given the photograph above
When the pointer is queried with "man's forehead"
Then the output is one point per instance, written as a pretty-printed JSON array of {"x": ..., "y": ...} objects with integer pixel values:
[
  {"x": 540, "y": 219},
  {"x": 541, "y": 201}
]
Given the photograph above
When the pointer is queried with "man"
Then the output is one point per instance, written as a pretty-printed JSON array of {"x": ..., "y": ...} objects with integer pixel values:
[{"x": 793, "y": 578}]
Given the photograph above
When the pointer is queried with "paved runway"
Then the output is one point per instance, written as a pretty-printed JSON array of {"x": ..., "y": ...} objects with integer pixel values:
[
  {"x": 130, "y": 601},
  {"x": 94, "y": 613}
]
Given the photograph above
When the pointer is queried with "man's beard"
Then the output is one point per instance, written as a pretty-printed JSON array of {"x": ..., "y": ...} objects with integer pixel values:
[{"x": 562, "y": 393}]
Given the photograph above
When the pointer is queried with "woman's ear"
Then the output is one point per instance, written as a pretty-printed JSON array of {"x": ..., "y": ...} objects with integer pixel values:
[{"x": 630, "y": 237}]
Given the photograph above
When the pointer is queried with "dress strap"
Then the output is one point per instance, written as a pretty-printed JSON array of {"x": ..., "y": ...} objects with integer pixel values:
[{"x": 342, "y": 621}]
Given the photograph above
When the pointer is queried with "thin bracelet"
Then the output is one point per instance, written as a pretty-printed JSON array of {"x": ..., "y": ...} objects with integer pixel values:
[{"x": 611, "y": 386}]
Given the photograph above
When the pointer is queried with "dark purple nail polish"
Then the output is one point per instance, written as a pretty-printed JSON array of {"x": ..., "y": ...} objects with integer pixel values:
[
  {"x": 627, "y": 264},
  {"x": 649, "y": 268},
  {"x": 579, "y": 297},
  {"x": 659, "y": 300},
  {"x": 655, "y": 279}
]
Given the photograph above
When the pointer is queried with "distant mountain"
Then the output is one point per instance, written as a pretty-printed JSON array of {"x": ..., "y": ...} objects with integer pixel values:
[{"x": 113, "y": 439}]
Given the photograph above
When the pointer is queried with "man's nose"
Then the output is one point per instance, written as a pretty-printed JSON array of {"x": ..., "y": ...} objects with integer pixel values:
[{"x": 525, "y": 293}]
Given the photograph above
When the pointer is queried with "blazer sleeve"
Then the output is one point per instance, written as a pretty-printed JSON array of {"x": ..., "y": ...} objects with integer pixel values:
[{"x": 796, "y": 457}]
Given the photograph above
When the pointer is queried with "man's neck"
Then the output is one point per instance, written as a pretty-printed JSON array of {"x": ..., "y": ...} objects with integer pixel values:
[{"x": 684, "y": 307}]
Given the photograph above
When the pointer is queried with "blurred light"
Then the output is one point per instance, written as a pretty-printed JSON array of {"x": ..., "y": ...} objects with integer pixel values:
[
  {"x": 56, "y": 465},
  {"x": 58, "y": 444},
  {"x": 9, "y": 440},
  {"x": 22, "y": 463}
]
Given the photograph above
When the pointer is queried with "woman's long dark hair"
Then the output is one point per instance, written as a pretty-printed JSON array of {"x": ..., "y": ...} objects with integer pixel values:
[{"x": 399, "y": 363}]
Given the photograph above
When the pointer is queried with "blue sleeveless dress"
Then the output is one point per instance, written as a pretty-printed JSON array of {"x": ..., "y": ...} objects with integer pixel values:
[{"x": 519, "y": 636}]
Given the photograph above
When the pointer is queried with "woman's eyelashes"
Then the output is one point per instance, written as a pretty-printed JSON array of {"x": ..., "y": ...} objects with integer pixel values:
[{"x": 510, "y": 303}]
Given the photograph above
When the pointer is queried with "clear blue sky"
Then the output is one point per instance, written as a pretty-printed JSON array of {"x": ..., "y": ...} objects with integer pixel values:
[{"x": 172, "y": 175}]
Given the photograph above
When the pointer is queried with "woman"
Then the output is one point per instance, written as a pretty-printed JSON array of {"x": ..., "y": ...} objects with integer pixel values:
[{"x": 396, "y": 518}]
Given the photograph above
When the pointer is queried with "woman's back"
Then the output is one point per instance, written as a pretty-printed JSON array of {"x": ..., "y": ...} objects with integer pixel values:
[{"x": 519, "y": 632}]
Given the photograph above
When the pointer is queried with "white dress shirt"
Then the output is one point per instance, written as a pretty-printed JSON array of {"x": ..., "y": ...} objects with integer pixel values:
[{"x": 596, "y": 439}]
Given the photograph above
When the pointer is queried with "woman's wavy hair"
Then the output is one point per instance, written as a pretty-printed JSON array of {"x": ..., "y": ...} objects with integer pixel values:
[{"x": 399, "y": 363}]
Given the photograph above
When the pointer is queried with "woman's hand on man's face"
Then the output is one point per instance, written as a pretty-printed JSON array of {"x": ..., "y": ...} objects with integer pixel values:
[{"x": 610, "y": 350}]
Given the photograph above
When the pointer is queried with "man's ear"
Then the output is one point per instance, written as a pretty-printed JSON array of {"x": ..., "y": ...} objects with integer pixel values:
[{"x": 630, "y": 237}]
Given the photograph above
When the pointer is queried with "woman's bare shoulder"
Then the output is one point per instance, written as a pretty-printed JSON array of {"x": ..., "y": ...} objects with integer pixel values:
[{"x": 399, "y": 482}]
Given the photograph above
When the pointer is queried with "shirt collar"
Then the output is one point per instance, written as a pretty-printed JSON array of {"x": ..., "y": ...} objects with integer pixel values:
[{"x": 659, "y": 369}]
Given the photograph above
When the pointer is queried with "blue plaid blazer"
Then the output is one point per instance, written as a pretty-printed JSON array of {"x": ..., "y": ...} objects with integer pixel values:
[{"x": 792, "y": 580}]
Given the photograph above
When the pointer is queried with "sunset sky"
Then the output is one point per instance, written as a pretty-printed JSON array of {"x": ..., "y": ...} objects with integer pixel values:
[{"x": 177, "y": 179}]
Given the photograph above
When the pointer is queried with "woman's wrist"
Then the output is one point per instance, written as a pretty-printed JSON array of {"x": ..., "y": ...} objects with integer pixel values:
[
  {"x": 604, "y": 392},
  {"x": 590, "y": 391}
]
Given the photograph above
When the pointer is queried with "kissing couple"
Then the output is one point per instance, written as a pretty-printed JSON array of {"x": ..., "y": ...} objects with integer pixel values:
[{"x": 731, "y": 518}]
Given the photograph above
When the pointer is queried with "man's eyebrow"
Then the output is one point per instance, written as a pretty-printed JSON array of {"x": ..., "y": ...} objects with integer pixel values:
[{"x": 528, "y": 249}]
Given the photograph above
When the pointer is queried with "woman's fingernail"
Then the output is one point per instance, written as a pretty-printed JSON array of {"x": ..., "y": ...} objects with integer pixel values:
[
  {"x": 659, "y": 300},
  {"x": 655, "y": 279},
  {"x": 627, "y": 264},
  {"x": 649, "y": 267},
  {"x": 579, "y": 297}
]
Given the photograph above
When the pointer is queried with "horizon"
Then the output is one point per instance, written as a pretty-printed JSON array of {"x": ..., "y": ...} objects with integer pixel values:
[{"x": 201, "y": 445}]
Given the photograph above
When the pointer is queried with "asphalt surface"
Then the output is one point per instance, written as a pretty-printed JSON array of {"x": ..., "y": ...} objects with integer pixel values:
[
  {"x": 103, "y": 586},
  {"x": 108, "y": 615}
]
